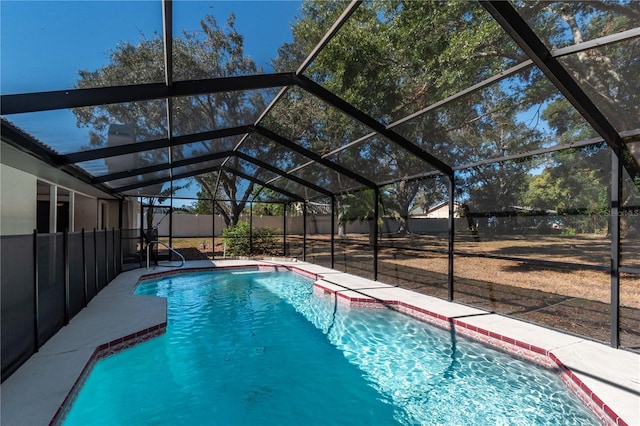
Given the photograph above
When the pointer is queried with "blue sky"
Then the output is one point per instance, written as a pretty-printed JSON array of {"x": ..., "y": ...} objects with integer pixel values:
[{"x": 43, "y": 45}]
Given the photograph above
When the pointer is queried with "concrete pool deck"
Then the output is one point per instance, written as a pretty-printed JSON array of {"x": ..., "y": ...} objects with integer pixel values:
[{"x": 34, "y": 394}]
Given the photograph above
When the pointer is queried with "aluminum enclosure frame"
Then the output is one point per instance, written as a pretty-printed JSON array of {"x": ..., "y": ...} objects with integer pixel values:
[{"x": 503, "y": 12}]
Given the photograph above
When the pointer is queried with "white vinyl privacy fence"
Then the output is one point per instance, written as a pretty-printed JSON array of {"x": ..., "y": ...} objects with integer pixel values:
[{"x": 203, "y": 225}]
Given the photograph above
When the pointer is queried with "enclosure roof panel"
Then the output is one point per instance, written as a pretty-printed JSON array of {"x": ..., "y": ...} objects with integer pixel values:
[{"x": 312, "y": 99}]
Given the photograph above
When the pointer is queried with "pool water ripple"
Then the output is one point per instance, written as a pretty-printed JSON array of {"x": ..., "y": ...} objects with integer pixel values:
[{"x": 263, "y": 349}]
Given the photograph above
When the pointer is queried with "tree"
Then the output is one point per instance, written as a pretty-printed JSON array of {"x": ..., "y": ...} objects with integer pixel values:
[
  {"x": 267, "y": 208},
  {"x": 578, "y": 181},
  {"x": 575, "y": 183},
  {"x": 608, "y": 75},
  {"x": 211, "y": 52},
  {"x": 392, "y": 59}
]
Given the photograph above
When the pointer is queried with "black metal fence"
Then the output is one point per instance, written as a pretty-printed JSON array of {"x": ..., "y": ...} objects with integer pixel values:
[{"x": 47, "y": 279}]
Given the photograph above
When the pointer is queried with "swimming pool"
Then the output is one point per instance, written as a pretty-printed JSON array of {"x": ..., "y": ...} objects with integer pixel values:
[{"x": 261, "y": 348}]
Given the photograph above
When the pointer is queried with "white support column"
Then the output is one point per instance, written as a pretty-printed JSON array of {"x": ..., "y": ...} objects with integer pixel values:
[
  {"x": 72, "y": 211},
  {"x": 53, "y": 209}
]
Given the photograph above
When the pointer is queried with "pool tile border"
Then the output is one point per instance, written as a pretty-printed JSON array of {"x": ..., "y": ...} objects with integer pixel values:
[
  {"x": 518, "y": 348},
  {"x": 103, "y": 351}
]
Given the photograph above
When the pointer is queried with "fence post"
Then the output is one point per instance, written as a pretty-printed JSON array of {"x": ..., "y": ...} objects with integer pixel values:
[
  {"x": 65, "y": 251},
  {"x": 95, "y": 257},
  {"x": 113, "y": 249},
  {"x": 36, "y": 302},
  {"x": 120, "y": 253},
  {"x": 106, "y": 257},
  {"x": 84, "y": 269}
]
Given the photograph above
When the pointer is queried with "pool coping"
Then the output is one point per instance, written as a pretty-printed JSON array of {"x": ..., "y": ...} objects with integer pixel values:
[{"x": 607, "y": 380}]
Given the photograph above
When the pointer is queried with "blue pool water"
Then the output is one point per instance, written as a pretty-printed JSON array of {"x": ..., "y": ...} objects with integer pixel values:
[{"x": 260, "y": 348}]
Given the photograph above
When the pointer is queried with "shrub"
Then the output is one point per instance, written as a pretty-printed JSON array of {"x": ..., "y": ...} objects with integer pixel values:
[{"x": 238, "y": 243}]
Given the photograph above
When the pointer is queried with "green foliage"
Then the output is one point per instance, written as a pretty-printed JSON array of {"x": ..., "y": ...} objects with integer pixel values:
[
  {"x": 202, "y": 206},
  {"x": 242, "y": 240},
  {"x": 267, "y": 208},
  {"x": 575, "y": 184},
  {"x": 357, "y": 206}
]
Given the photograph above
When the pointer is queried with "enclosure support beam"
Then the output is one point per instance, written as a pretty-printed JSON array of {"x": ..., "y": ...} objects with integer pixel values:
[
  {"x": 36, "y": 299},
  {"x": 333, "y": 224},
  {"x": 376, "y": 214},
  {"x": 167, "y": 37},
  {"x": 215, "y": 202},
  {"x": 315, "y": 89},
  {"x": 132, "y": 148},
  {"x": 284, "y": 229},
  {"x": 170, "y": 217},
  {"x": 76, "y": 98},
  {"x": 451, "y": 232},
  {"x": 304, "y": 230},
  {"x": 141, "y": 230},
  {"x": 213, "y": 228},
  {"x": 313, "y": 156},
  {"x": 207, "y": 170},
  {"x": 614, "y": 229},
  {"x": 250, "y": 228}
]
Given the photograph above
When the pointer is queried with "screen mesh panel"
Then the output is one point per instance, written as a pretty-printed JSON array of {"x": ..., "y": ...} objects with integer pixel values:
[
  {"x": 51, "y": 297},
  {"x": 18, "y": 299}
]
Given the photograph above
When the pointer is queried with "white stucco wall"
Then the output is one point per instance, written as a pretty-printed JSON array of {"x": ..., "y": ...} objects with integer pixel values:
[
  {"x": 17, "y": 201},
  {"x": 86, "y": 213}
]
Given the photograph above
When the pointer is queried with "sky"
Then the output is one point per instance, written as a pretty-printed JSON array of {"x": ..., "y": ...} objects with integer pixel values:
[{"x": 43, "y": 45}]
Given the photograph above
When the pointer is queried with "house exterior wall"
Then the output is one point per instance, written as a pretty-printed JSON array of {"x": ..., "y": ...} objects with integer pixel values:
[
  {"x": 86, "y": 213},
  {"x": 17, "y": 201},
  {"x": 112, "y": 218}
]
